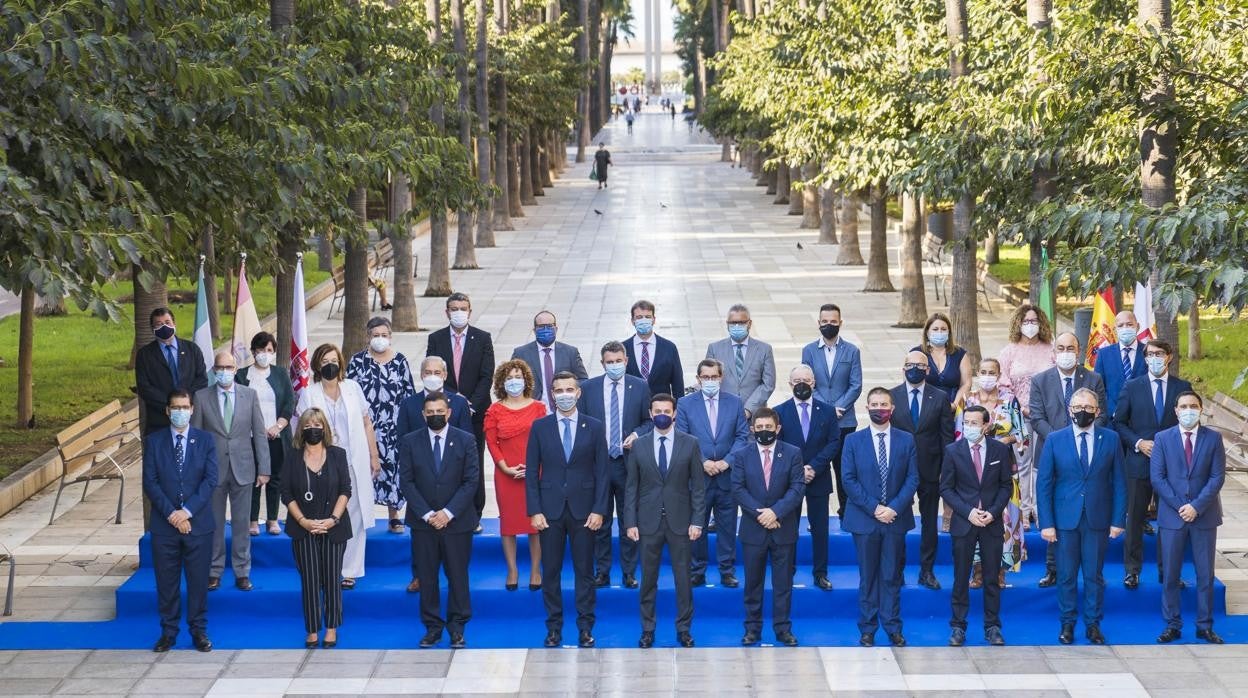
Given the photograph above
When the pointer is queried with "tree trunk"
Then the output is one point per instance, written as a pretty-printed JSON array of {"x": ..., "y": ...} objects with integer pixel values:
[
  {"x": 877, "y": 262},
  {"x": 439, "y": 254},
  {"x": 502, "y": 139},
  {"x": 583, "y": 125},
  {"x": 146, "y": 299},
  {"x": 535, "y": 161},
  {"x": 405, "y": 316},
  {"x": 783, "y": 186},
  {"x": 1042, "y": 187},
  {"x": 50, "y": 306},
  {"x": 288, "y": 247},
  {"x": 771, "y": 180},
  {"x": 594, "y": 27},
  {"x": 610, "y": 35},
  {"x": 795, "y": 192},
  {"x": 992, "y": 251},
  {"x": 544, "y": 162},
  {"x": 913, "y": 309},
  {"x": 963, "y": 310},
  {"x": 465, "y": 252},
  {"x": 810, "y": 198},
  {"x": 355, "y": 278},
  {"x": 485, "y": 217},
  {"x": 849, "y": 252},
  {"x": 526, "y": 170},
  {"x": 324, "y": 252},
  {"x": 513, "y": 177},
  {"x": 827, "y": 216},
  {"x": 1195, "y": 350},
  {"x": 26, "y": 360},
  {"x": 228, "y": 297}
]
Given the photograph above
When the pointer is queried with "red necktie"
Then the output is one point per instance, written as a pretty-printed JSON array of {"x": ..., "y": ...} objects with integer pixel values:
[
  {"x": 767, "y": 468},
  {"x": 979, "y": 466},
  {"x": 1187, "y": 450}
]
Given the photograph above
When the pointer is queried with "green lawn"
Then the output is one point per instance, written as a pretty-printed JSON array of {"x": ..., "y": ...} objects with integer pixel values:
[
  {"x": 1014, "y": 267},
  {"x": 1223, "y": 342},
  {"x": 82, "y": 362}
]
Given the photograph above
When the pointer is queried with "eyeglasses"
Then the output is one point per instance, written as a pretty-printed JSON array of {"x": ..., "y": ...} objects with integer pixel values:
[
  {"x": 910, "y": 366},
  {"x": 543, "y": 327}
]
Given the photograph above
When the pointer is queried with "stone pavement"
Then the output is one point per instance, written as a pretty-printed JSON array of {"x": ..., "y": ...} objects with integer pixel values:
[{"x": 695, "y": 236}]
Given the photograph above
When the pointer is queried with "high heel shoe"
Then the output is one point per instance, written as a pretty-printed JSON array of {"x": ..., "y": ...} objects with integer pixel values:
[
  {"x": 512, "y": 586},
  {"x": 535, "y": 587},
  {"x": 328, "y": 643},
  {"x": 312, "y": 643}
]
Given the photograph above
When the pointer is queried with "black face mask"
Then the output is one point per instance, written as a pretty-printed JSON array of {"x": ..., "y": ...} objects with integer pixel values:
[
  {"x": 436, "y": 422},
  {"x": 802, "y": 391},
  {"x": 164, "y": 332},
  {"x": 330, "y": 372},
  {"x": 829, "y": 331},
  {"x": 1083, "y": 418},
  {"x": 765, "y": 437},
  {"x": 313, "y": 435}
]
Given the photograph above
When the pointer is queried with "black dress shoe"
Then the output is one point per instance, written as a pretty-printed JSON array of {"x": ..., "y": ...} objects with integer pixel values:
[
  {"x": 214, "y": 583},
  {"x": 866, "y": 640},
  {"x": 1169, "y": 635},
  {"x": 729, "y": 580},
  {"x": 1132, "y": 581},
  {"x": 431, "y": 638},
  {"x": 750, "y": 638},
  {"x": 201, "y": 642},
  {"x": 457, "y": 641},
  {"x": 554, "y": 638},
  {"x": 1067, "y": 636},
  {"x": 697, "y": 580},
  {"x": 1095, "y": 636},
  {"x": 646, "y": 641},
  {"x": 927, "y": 579},
  {"x": 164, "y": 644},
  {"x": 1209, "y": 636},
  {"x": 897, "y": 639},
  {"x": 1048, "y": 580},
  {"x": 822, "y": 582},
  {"x": 243, "y": 584},
  {"x": 1149, "y": 530},
  {"x": 684, "y": 639},
  {"x": 957, "y": 637},
  {"x": 585, "y": 639},
  {"x": 786, "y": 638},
  {"x": 602, "y": 580},
  {"x": 993, "y": 637},
  {"x": 630, "y": 581}
]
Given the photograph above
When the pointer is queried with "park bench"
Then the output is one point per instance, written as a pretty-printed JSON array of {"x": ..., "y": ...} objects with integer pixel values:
[
  {"x": 936, "y": 257},
  {"x": 7, "y": 557},
  {"x": 100, "y": 442},
  {"x": 380, "y": 260},
  {"x": 1230, "y": 417}
]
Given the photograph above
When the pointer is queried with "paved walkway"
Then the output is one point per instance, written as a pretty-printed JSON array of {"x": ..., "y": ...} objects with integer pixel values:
[{"x": 695, "y": 236}]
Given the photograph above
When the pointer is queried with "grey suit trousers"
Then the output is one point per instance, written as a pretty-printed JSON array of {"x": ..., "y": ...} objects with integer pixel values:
[{"x": 239, "y": 497}]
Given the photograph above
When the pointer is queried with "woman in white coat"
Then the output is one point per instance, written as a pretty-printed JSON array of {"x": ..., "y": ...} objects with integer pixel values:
[{"x": 343, "y": 402}]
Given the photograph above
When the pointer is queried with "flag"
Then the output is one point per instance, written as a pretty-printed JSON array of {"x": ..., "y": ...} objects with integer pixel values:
[
  {"x": 246, "y": 322},
  {"x": 1144, "y": 312},
  {"x": 1045, "y": 299},
  {"x": 299, "y": 373},
  {"x": 1102, "y": 332},
  {"x": 203, "y": 327}
]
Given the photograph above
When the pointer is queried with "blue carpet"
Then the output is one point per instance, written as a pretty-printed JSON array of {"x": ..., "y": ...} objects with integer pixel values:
[{"x": 380, "y": 614}]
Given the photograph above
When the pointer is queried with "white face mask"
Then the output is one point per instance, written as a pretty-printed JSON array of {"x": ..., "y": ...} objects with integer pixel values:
[
  {"x": 1066, "y": 360},
  {"x": 379, "y": 344},
  {"x": 459, "y": 319},
  {"x": 987, "y": 382},
  {"x": 265, "y": 359},
  {"x": 1189, "y": 418},
  {"x": 432, "y": 383},
  {"x": 1030, "y": 330}
]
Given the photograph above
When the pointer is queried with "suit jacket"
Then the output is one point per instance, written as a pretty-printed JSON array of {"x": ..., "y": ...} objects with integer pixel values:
[
  {"x": 860, "y": 475},
  {"x": 1201, "y": 487},
  {"x": 648, "y": 494},
  {"x": 1109, "y": 368},
  {"x": 565, "y": 358},
  {"x": 783, "y": 496},
  {"x": 845, "y": 386},
  {"x": 412, "y": 413},
  {"x": 731, "y": 432},
  {"x": 1064, "y": 492},
  {"x": 169, "y": 490},
  {"x": 154, "y": 380},
  {"x": 284, "y": 397},
  {"x": 476, "y": 370},
  {"x": 636, "y": 397},
  {"x": 820, "y": 447},
  {"x": 759, "y": 380},
  {"x": 935, "y": 428},
  {"x": 1136, "y": 418},
  {"x": 336, "y": 479},
  {"x": 1047, "y": 403},
  {"x": 580, "y": 483},
  {"x": 666, "y": 374},
  {"x": 243, "y": 450},
  {"x": 452, "y": 488},
  {"x": 963, "y": 489}
]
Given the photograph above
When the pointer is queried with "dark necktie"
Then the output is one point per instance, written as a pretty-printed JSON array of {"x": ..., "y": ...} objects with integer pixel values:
[
  {"x": 1069, "y": 390},
  {"x": 663, "y": 456},
  {"x": 645, "y": 360},
  {"x": 614, "y": 420},
  {"x": 171, "y": 357},
  {"x": 179, "y": 453},
  {"x": 883, "y": 465},
  {"x": 548, "y": 373},
  {"x": 1126, "y": 362},
  {"x": 1159, "y": 401},
  {"x": 914, "y": 407},
  {"x": 567, "y": 439},
  {"x": 437, "y": 454},
  {"x": 740, "y": 362},
  {"x": 1083, "y": 452},
  {"x": 1187, "y": 451}
]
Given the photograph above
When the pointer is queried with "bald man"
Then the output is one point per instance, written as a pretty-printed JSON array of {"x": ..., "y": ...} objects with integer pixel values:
[{"x": 1121, "y": 361}]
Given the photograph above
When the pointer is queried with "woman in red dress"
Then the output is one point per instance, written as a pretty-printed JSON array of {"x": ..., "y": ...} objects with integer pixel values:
[{"x": 507, "y": 424}]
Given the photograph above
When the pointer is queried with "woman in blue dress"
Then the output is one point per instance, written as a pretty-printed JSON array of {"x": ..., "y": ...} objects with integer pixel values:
[{"x": 948, "y": 365}]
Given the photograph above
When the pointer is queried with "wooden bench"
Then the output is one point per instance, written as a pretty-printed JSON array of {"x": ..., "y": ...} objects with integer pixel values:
[
  {"x": 1230, "y": 417},
  {"x": 100, "y": 443},
  {"x": 7, "y": 556},
  {"x": 380, "y": 259},
  {"x": 340, "y": 290}
]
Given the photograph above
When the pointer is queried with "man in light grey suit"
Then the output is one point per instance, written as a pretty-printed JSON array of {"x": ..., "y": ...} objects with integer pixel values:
[
  {"x": 231, "y": 413},
  {"x": 749, "y": 365},
  {"x": 546, "y": 357},
  {"x": 1049, "y": 408},
  {"x": 837, "y": 365}
]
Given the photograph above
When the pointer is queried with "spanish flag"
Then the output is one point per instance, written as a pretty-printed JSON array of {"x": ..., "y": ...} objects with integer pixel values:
[{"x": 1102, "y": 333}]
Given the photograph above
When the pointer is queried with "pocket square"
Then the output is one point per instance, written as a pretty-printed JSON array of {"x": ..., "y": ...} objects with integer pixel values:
[{"x": 993, "y": 462}]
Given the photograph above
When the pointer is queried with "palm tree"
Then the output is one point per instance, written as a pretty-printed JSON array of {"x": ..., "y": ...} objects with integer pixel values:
[{"x": 617, "y": 19}]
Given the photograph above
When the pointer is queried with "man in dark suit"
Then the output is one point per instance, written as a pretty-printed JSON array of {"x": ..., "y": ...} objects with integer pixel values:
[
  {"x": 1081, "y": 492},
  {"x": 433, "y": 380},
  {"x": 1051, "y": 390},
  {"x": 924, "y": 412},
  {"x": 622, "y": 403},
  {"x": 717, "y": 420},
  {"x": 1145, "y": 407},
  {"x": 838, "y": 379},
  {"x": 566, "y": 497},
  {"x": 1188, "y": 466},
  {"x": 1121, "y": 361},
  {"x": 664, "y": 499},
  {"x": 179, "y": 475},
  {"x": 438, "y": 476},
  {"x": 469, "y": 354},
  {"x": 768, "y": 481},
  {"x": 652, "y": 358},
  {"x": 811, "y": 425},
  {"x": 881, "y": 475},
  {"x": 166, "y": 363},
  {"x": 546, "y": 357},
  {"x": 976, "y": 481}
]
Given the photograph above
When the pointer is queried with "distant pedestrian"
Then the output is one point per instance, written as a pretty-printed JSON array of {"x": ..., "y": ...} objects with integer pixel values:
[
  {"x": 672, "y": 108},
  {"x": 602, "y": 160},
  {"x": 628, "y": 118}
]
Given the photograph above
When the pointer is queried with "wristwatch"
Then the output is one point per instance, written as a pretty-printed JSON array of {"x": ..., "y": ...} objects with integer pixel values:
[{"x": 335, "y": 518}]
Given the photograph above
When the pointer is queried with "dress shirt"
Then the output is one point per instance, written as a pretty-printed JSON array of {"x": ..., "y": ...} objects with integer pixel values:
[
  {"x": 434, "y": 446},
  {"x": 888, "y": 442},
  {"x": 606, "y": 408},
  {"x": 264, "y": 393},
  {"x": 186, "y": 442},
  {"x": 559, "y": 417},
  {"x": 1091, "y": 440},
  {"x": 652, "y": 341},
  {"x": 829, "y": 353},
  {"x": 810, "y": 414},
  {"x": 1130, "y": 357},
  {"x": 706, "y": 402},
  {"x": 1152, "y": 392},
  {"x": 221, "y": 392}
]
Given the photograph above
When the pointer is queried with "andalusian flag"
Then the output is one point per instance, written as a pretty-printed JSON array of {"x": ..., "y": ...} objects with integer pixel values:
[
  {"x": 246, "y": 322},
  {"x": 300, "y": 374},
  {"x": 1102, "y": 333},
  {"x": 1144, "y": 312},
  {"x": 1046, "y": 302},
  {"x": 203, "y": 327}
]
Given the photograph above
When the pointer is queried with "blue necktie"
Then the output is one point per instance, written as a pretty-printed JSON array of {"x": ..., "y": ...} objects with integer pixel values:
[
  {"x": 883, "y": 464},
  {"x": 914, "y": 407},
  {"x": 614, "y": 420},
  {"x": 1126, "y": 362},
  {"x": 1069, "y": 391},
  {"x": 663, "y": 456},
  {"x": 179, "y": 453},
  {"x": 437, "y": 454},
  {"x": 805, "y": 420},
  {"x": 1159, "y": 401},
  {"x": 171, "y": 357},
  {"x": 567, "y": 439},
  {"x": 1083, "y": 452},
  {"x": 740, "y": 362}
]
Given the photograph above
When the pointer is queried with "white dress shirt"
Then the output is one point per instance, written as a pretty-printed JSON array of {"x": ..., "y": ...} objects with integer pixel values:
[
  {"x": 1090, "y": 431},
  {"x": 559, "y": 417},
  {"x": 888, "y": 442}
]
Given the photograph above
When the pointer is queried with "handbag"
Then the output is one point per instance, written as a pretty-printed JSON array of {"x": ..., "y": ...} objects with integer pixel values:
[{"x": 593, "y": 172}]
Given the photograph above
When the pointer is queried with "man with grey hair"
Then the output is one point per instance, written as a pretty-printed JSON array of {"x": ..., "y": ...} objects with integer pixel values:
[{"x": 749, "y": 364}]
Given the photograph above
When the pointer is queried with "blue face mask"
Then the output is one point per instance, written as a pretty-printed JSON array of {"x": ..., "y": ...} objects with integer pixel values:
[
  {"x": 972, "y": 433},
  {"x": 710, "y": 388},
  {"x": 662, "y": 422},
  {"x": 1188, "y": 418},
  {"x": 1156, "y": 365},
  {"x": 565, "y": 401},
  {"x": 644, "y": 326},
  {"x": 180, "y": 419},
  {"x": 615, "y": 371},
  {"x": 938, "y": 339},
  {"x": 514, "y": 386},
  {"x": 914, "y": 376},
  {"x": 1126, "y": 335},
  {"x": 545, "y": 336},
  {"x": 225, "y": 377},
  {"x": 738, "y": 331}
]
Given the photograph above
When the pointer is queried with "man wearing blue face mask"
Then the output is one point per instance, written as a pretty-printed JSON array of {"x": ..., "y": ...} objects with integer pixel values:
[
  {"x": 749, "y": 365},
  {"x": 1121, "y": 361},
  {"x": 622, "y": 403},
  {"x": 652, "y": 358},
  {"x": 1145, "y": 407},
  {"x": 546, "y": 357}
]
